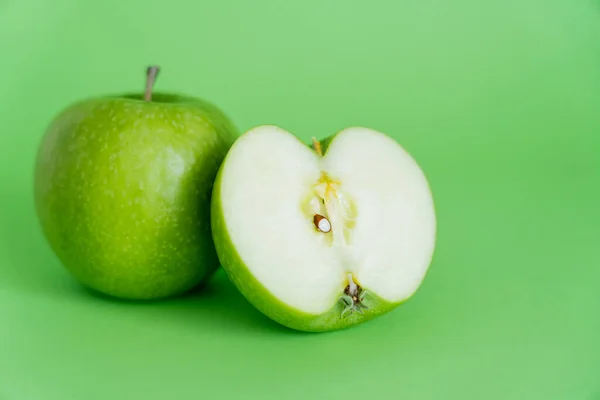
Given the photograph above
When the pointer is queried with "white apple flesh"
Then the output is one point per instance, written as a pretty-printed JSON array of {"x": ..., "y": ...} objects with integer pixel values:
[{"x": 321, "y": 239}]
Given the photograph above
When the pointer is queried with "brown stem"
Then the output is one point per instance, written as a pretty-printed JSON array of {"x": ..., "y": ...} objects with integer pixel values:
[{"x": 151, "y": 74}]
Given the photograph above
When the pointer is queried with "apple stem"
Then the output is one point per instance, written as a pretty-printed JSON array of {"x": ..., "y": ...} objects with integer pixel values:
[
  {"x": 317, "y": 146},
  {"x": 151, "y": 74}
]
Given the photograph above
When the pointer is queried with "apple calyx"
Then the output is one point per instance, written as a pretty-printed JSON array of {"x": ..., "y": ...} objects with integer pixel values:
[
  {"x": 151, "y": 75},
  {"x": 353, "y": 298}
]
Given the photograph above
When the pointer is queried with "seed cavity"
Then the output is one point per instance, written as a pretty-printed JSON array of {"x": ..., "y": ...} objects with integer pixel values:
[{"x": 322, "y": 223}]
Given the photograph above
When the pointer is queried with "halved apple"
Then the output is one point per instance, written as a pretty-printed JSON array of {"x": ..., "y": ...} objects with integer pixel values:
[{"x": 322, "y": 238}]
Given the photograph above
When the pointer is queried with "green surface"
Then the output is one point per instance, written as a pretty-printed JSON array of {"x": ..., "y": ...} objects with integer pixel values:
[{"x": 499, "y": 101}]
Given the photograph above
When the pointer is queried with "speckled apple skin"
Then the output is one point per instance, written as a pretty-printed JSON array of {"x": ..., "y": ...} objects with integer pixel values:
[
  {"x": 263, "y": 300},
  {"x": 122, "y": 192}
]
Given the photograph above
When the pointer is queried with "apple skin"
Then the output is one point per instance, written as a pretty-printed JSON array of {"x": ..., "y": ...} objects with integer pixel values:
[
  {"x": 122, "y": 192},
  {"x": 264, "y": 301}
]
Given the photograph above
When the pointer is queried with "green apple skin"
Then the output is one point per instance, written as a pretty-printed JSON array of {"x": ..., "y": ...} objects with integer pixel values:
[
  {"x": 264, "y": 301},
  {"x": 122, "y": 192}
]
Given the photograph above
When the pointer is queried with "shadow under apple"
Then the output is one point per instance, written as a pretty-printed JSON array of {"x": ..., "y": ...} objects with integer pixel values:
[
  {"x": 28, "y": 268},
  {"x": 216, "y": 304}
]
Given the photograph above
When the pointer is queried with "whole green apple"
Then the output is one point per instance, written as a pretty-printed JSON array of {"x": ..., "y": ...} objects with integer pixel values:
[
  {"x": 324, "y": 238},
  {"x": 122, "y": 191}
]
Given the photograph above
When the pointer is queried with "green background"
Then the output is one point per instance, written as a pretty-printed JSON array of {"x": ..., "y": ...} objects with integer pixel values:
[{"x": 499, "y": 101}]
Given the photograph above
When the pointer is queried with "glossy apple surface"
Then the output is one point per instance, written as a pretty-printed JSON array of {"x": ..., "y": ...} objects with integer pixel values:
[{"x": 122, "y": 191}]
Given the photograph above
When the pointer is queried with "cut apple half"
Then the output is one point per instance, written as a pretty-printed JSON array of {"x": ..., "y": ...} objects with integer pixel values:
[{"x": 322, "y": 237}]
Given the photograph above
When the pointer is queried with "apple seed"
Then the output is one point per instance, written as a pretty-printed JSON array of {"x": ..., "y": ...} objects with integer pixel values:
[{"x": 322, "y": 223}]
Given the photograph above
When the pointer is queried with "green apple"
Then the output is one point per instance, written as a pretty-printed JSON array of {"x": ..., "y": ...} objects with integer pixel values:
[
  {"x": 323, "y": 238},
  {"x": 122, "y": 191}
]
